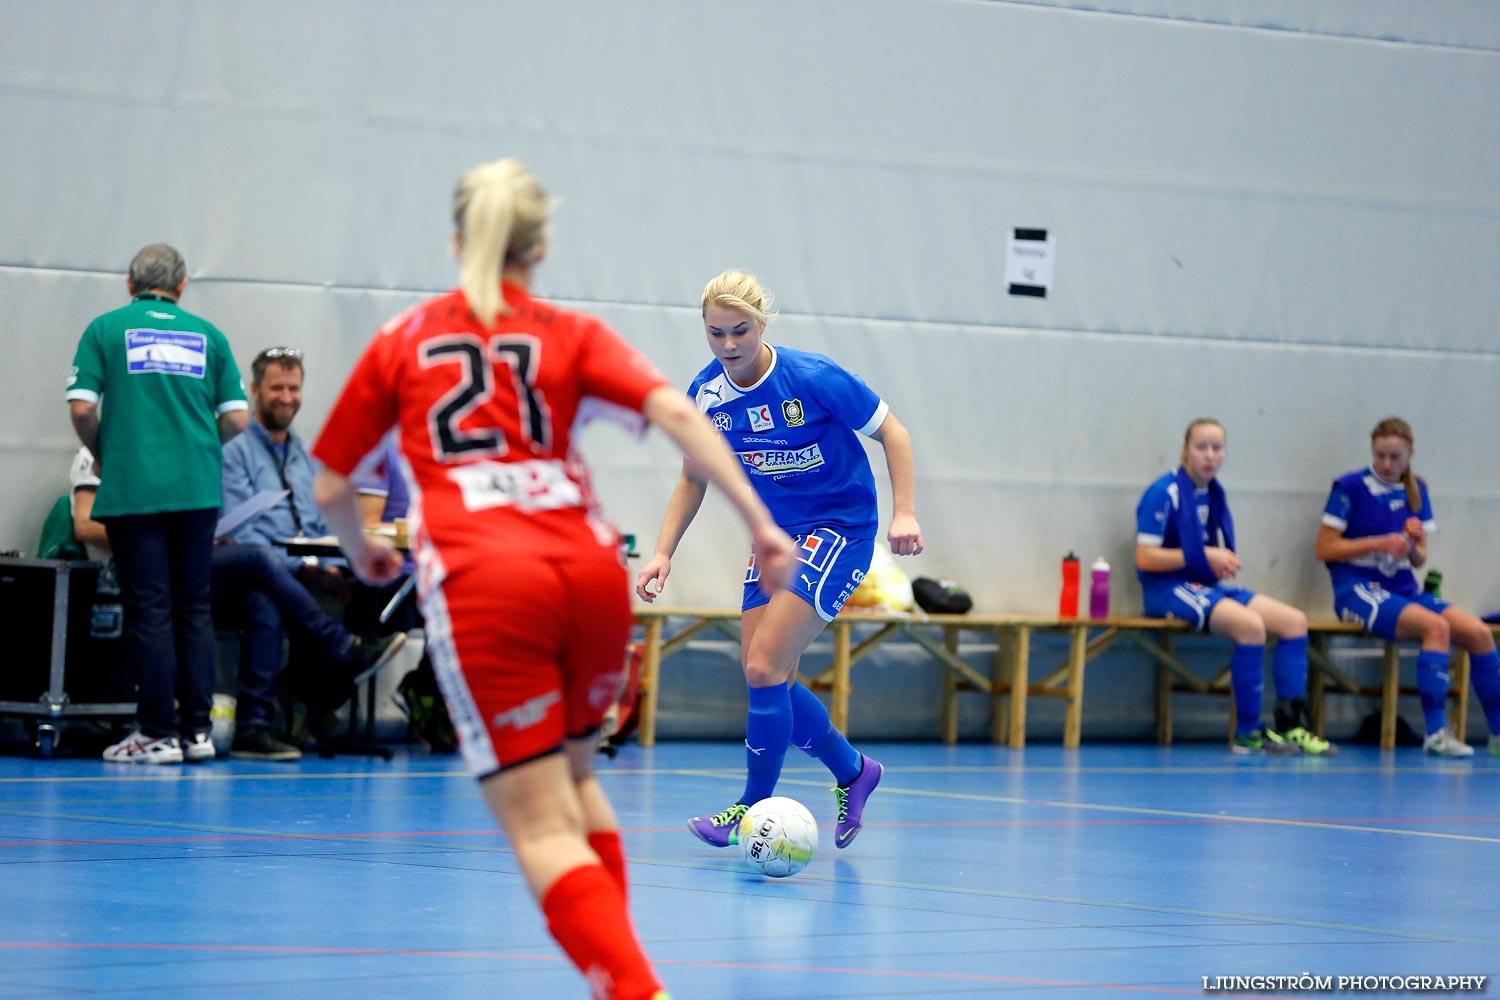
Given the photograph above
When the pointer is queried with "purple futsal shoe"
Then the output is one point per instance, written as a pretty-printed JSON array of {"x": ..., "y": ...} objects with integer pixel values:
[
  {"x": 851, "y": 800},
  {"x": 720, "y": 829}
]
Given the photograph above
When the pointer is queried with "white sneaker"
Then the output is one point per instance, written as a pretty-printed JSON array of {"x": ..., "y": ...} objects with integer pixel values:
[
  {"x": 199, "y": 747},
  {"x": 1443, "y": 744},
  {"x": 137, "y": 748}
]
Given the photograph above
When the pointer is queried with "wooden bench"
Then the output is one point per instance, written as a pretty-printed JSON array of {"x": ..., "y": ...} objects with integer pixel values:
[
  {"x": 1010, "y": 681},
  {"x": 1173, "y": 678},
  {"x": 939, "y": 635}
]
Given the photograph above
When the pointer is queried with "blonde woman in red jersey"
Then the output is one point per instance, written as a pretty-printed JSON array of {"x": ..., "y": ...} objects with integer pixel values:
[{"x": 524, "y": 593}]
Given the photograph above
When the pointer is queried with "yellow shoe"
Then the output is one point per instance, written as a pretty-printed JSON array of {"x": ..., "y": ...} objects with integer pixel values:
[{"x": 1310, "y": 743}]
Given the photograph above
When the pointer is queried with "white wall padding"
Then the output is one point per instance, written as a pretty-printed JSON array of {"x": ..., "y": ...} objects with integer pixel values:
[{"x": 1282, "y": 215}]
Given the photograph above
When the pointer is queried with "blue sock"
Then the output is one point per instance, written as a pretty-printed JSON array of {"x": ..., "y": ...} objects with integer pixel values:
[
  {"x": 1432, "y": 686},
  {"x": 1484, "y": 671},
  {"x": 1247, "y": 676},
  {"x": 814, "y": 735},
  {"x": 768, "y": 728},
  {"x": 1289, "y": 668}
]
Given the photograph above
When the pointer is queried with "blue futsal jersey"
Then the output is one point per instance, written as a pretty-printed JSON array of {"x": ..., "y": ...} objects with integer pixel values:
[
  {"x": 1362, "y": 505},
  {"x": 794, "y": 431},
  {"x": 1156, "y": 524}
]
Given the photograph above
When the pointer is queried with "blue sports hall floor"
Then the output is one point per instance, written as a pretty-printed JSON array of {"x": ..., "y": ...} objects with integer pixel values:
[{"x": 1112, "y": 871}]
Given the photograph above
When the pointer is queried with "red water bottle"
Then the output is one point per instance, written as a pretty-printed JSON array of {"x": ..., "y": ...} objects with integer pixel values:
[{"x": 1067, "y": 605}]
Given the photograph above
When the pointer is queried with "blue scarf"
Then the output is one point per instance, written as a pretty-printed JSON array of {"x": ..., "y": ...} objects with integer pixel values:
[{"x": 1191, "y": 533}]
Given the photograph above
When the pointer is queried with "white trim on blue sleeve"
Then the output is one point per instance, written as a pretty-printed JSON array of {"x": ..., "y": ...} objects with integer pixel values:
[
  {"x": 1335, "y": 522},
  {"x": 1144, "y": 539},
  {"x": 873, "y": 424}
]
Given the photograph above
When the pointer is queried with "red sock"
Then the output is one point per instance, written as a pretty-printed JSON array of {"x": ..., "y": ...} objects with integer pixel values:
[
  {"x": 606, "y": 844},
  {"x": 586, "y": 914}
]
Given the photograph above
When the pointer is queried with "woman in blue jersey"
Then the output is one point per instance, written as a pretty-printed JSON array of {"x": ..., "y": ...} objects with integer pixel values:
[
  {"x": 794, "y": 419},
  {"x": 1374, "y": 533},
  {"x": 1185, "y": 559}
]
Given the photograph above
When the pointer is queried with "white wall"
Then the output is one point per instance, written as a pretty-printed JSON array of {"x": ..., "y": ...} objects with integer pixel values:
[{"x": 1282, "y": 217}]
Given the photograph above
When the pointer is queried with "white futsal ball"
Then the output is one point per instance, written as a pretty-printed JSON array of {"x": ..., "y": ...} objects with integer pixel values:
[{"x": 778, "y": 836}]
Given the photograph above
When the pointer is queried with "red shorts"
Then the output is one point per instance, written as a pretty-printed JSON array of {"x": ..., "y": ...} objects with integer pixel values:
[{"x": 529, "y": 651}]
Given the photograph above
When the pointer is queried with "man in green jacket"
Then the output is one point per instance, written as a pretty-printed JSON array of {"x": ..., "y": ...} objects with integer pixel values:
[{"x": 172, "y": 393}]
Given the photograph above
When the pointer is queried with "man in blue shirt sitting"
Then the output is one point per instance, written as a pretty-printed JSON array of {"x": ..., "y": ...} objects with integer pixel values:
[{"x": 265, "y": 589}]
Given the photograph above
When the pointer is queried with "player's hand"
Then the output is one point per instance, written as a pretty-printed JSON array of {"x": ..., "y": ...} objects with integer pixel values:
[
  {"x": 1414, "y": 529},
  {"x": 777, "y": 555},
  {"x": 905, "y": 535},
  {"x": 377, "y": 562},
  {"x": 1395, "y": 544},
  {"x": 656, "y": 570},
  {"x": 1224, "y": 562}
]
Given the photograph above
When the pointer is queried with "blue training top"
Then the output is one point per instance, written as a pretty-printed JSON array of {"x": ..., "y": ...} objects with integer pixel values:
[
  {"x": 1156, "y": 523},
  {"x": 1362, "y": 505},
  {"x": 794, "y": 430}
]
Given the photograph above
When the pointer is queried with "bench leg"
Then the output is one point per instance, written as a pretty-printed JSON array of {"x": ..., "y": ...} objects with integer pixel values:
[
  {"x": 1163, "y": 706},
  {"x": 1077, "y": 660},
  {"x": 1390, "y": 692},
  {"x": 1317, "y": 684},
  {"x": 1020, "y": 671},
  {"x": 1461, "y": 689},
  {"x": 1234, "y": 716},
  {"x": 999, "y": 718},
  {"x": 650, "y": 671},
  {"x": 949, "y": 719},
  {"x": 1164, "y": 681},
  {"x": 840, "y": 713}
]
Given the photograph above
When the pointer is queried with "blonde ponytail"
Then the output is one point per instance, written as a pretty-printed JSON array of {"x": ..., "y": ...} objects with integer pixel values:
[
  {"x": 1413, "y": 495},
  {"x": 500, "y": 212}
]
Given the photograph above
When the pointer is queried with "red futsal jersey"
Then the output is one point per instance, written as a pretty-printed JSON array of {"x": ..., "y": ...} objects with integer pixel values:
[
  {"x": 487, "y": 418},
  {"x": 524, "y": 594}
]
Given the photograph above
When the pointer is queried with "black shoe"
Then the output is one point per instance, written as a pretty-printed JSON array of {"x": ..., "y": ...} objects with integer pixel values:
[
  {"x": 417, "y": 696},
  {"x": 368, "y": 656},
  {"x": 259, "y": 744}
]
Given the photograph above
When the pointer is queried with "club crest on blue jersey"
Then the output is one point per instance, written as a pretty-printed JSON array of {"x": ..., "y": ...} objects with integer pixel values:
[
  {"x": 792, "y": 410},
  {"x": 723, "y": 421}
]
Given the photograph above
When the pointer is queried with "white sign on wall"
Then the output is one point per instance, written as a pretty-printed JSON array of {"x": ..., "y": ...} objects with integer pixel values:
[{"x": 1028, "y": 262}]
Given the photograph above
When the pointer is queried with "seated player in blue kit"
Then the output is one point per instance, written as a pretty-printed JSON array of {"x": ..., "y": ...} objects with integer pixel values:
[
  {"x": 1186, "y": 561},
  {"x": 1374, "y": 534}
]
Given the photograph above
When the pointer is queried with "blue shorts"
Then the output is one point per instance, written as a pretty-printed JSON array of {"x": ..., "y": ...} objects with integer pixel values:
[
  {"x": 1374, "y": 607},
  {"x": 832, "y": 567},
  {"x": 1192, "y": 602}
]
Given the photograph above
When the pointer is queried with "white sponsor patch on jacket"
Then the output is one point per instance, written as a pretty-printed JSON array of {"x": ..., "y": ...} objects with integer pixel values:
[{"x": 168, "y": 352}]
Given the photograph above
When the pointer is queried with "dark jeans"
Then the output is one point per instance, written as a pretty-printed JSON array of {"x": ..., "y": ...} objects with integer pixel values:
[
  {"x": 162, "y": 562},
  {"x": 255, "y": 593}
]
